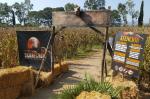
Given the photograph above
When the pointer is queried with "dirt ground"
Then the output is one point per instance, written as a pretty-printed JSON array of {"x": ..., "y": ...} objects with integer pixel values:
[{"x": 77, "y": 70}]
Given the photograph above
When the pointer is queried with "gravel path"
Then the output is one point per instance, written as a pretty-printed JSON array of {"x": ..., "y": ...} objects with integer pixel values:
[{"x": 77, "y": 70}]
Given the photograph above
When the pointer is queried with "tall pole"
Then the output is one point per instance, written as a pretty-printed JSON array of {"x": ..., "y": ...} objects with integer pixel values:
[
  {"x": 52, "y": 50},
  {"x": 103, "y": 66},
  {"x": 13, "y": 18}
]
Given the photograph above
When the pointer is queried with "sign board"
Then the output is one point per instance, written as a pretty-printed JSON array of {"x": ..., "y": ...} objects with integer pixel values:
[
  {"x": 128, "y": 53},
  {"x": 87, "y": 18},
  {"x": 32, "y": 46}
]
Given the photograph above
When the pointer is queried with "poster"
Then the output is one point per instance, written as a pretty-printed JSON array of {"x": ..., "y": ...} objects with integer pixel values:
[
  {"x": 32, "y": 47},
  {"x": 128, "y": 53}
]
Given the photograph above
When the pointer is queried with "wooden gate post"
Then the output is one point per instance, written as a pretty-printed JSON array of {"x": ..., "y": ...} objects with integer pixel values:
[
  {"x": 104, "y": 66},
  {"x": 52, "y": 49}
]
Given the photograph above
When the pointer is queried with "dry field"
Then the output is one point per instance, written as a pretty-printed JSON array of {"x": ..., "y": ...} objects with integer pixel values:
[{"x": 73, "y": 40}]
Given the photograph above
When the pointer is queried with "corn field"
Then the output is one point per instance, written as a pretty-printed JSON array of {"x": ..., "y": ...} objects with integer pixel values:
[{"x": 66, "y": 45}]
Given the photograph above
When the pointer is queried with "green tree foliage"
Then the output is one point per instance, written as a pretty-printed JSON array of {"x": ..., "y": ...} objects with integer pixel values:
[
  {"x": 5, "y": 13},
  {"x": 94, "y": 4},
  {"x": 131, "y": 10},
  {"x": 116, "y": 18},
  {"x": 44, "y": 16},
  {"x": 22, "y": 10},
  {"x": 123, "y": 12},
  {"x": 59, "y": 9},
  {"x": 140, "y": 19},
  {"x": 70, "y": 7}
]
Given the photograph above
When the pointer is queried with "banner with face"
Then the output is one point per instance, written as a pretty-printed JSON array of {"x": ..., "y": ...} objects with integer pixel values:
[{"x": 32, "y": 48}]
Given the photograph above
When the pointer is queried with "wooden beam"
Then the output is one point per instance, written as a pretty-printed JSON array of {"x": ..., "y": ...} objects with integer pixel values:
[{"x": 88, "y": 18}]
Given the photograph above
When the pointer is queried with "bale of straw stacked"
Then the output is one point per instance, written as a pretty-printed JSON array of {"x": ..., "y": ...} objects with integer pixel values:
[
  {"x": 14, "y": 80},
  {"x": 64, "y": 67},
  {"x": 57, "y": 70},
  {"x": 45, "y": 78}
]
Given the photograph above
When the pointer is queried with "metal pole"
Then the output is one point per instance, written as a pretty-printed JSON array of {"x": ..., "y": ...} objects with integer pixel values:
[{"x": 104, "y": 55}]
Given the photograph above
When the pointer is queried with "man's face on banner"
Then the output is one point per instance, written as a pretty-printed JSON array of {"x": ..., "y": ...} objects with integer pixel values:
[{"x": 33, "y": 43}]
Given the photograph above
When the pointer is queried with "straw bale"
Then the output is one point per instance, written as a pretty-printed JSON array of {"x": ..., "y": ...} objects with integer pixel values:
[
  {"x": 45, "y": 78},
  {"x": 28, "y": 87},
  {"x": 57, "y": 70},
  {"x": 92, "y": 95},
  {"x": 14, "y": 81},
  {"x": 64, "y": 66},
  {"x": 10, "y": 93},
  {"x": 14, "y": 76}
]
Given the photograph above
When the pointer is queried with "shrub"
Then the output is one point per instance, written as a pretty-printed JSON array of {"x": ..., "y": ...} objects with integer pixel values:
[{"x": 89, "y": 85}]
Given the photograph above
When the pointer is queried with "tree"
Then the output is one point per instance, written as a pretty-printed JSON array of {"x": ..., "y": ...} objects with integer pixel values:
[
  {"x": 34, "y": 18},
  {"x": 135, "y": 16},
  {"x": 22, "y": 10},
  {"x": 42, "y": 17},
  {"x": 116, "y": 18},
  {"x": 130, "y": 6},
  {"x": 70, "y": 7},
  {"x": 59, "y": 9},
  {"x": 94, "y": 4},
  {"x": 27, "y": 7},
  {"x": 123, "y": 12},
  {"x": 140, "y": 19},
  {"x": 5, "y": 13}
]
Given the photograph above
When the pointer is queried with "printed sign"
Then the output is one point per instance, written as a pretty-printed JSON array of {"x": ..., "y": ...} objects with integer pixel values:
[
  {"x": 32, "y": 47},
  {"x": 128, "y": 53}
]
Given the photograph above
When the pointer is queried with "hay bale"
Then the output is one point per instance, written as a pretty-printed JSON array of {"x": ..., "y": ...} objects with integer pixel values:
[
  {"x": 10, "y": 92},
  {"x": 14, "y": 76},
  {"x": 28, "y": 87},
  {"x": 45, "y": 78},
  {"x": 57, "y": 70},
  {"x": 64, "y": 67},
  {"x": 12, "y": 80},
  {"x": 130, "y": 88},
  {"x": 92, "y": 95}
]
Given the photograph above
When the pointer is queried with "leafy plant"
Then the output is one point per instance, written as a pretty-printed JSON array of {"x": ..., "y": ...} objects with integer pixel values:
[{"x": 89, "y": 84}]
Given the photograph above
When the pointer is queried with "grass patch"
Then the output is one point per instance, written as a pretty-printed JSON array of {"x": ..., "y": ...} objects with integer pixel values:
[{"x": 87, "y": 52}]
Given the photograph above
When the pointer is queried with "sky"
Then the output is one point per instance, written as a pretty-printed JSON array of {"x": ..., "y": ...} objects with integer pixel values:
[{"x": 40, "y": 4}]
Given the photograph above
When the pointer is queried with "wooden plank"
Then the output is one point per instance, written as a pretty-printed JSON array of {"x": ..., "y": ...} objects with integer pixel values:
[{"x": 88, "y": 18}]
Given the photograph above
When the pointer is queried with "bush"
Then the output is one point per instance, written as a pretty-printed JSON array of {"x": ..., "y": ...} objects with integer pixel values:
[{"x": 90, "y": 85}]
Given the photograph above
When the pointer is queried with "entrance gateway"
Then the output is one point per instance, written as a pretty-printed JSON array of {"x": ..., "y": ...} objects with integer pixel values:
[
  {"x": 91, "y": 19},
  {"x": 37, "y": 52}
]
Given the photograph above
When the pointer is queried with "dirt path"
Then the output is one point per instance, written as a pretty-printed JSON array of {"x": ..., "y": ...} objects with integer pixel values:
[{"x": 77, "y": 70}]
